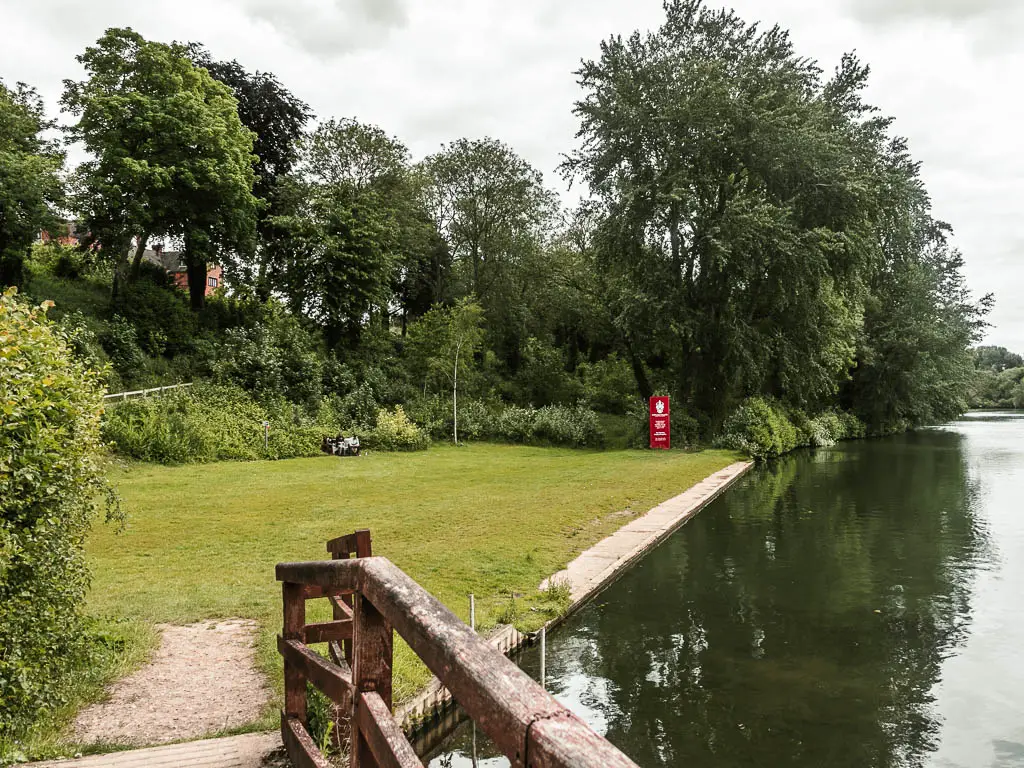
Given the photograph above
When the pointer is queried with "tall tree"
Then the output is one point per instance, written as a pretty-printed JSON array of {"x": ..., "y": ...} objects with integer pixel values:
[
  {"x": 277, "y": 119},
  {"x": 169, "y": 155},
  {"x": 738, "y": 192},
  {"x": 30, "y": 182},
  {"x": 493, "y": 210},
  {"x": 337, "y": 247}
]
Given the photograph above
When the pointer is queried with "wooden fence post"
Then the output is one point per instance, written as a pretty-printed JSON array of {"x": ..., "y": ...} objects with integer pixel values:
[
  {"x": 294, "y": 599},
  {"x": 371, "y": 670}
]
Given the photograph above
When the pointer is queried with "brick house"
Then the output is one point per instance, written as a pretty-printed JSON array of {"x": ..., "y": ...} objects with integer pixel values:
[{"x": 173, "y": 262}]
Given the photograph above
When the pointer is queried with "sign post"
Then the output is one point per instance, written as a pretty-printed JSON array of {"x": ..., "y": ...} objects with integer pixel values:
[
  {"x": 266, "y": 435},
  {"x": 661, "y": 424}
]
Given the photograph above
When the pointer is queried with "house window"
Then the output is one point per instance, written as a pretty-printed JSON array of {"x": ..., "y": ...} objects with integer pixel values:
[{"x": 212, "y": 282}]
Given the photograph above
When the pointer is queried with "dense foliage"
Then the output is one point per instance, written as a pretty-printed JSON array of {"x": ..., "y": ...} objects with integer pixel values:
[
  {"x": 998, "y": 379},
  {"x": 30, "y": 186},
  {"x": 756, "y": 242},
  {"x": 51, "y": 487}
]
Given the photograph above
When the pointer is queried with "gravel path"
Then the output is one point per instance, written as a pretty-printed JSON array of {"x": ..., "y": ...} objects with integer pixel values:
[{"x": 202, "y": 680}]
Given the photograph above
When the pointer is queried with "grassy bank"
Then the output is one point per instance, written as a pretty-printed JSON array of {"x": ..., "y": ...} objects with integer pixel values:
[{"x": 201, "y": 541}]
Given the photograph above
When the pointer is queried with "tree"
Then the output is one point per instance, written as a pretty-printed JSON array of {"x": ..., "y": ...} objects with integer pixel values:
[
  {"x": 494, "y": 213},
  {"x": 170, "y": 156},
  {"x": 333, "y": 257},
  {"x": 443, "y": 346},
  {"x": 356, "y": 237},
  {"x": 743, "y": 203},
  {"x": 277, "y": 119},
  {"x": 30, "y": 181}
]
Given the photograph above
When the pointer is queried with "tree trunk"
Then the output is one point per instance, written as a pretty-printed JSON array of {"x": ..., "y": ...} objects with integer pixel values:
[
  {"x": 121, "y": 271},
  {"x": 195, "y": 264},
  {"x": 455, "y": 396},
  {"x": 136, "y": 269},
  {"x": 642, "y": 382}
]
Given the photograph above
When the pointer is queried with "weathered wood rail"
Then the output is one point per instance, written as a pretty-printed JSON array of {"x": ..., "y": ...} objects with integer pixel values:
[
  {"x": 371, "y": 599},
  {"x": 121, "y": 396}
]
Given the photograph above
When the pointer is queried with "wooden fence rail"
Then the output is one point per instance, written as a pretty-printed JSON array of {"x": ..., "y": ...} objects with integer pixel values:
[
  {"x": 371, "y": 599},
  {"x": 118, "y": 396}
]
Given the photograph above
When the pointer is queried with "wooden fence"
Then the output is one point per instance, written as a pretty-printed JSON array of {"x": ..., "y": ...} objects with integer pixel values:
[
  {"x": 119, "y": 396},
  {"x": 372, "y": 599}
]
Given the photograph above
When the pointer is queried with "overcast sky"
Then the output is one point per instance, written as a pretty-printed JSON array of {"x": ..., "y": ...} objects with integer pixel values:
[{"x": 431, "y": 71}]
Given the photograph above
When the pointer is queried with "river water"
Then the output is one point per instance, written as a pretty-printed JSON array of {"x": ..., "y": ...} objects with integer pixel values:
[{"x": 858, "y": 606}]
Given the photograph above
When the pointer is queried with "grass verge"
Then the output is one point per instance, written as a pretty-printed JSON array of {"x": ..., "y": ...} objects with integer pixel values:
[{"x": 201, "y": 541}]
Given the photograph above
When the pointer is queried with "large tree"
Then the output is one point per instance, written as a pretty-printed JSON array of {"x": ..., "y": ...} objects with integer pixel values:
[
  {"x": 277, "y": 119},
  {"x": 496, "y": 216},
  {"x": 336, "y": 246},
  {"x": 30, "y": 182},
  {"x": 170, "y": 156},
  {"x": 739, "y": 193}
]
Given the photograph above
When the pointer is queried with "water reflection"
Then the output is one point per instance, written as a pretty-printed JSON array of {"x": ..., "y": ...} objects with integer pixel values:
[{"x": 844, "y": 608}]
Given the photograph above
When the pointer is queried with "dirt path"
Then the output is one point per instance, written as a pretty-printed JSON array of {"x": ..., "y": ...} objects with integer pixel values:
[{"x": 202, "y": 680}]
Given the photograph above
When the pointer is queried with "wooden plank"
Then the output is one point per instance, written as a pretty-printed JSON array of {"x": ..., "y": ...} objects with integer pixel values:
[
  {"x": 314, "y": 592},
  {"x": 342, "y": 609},
  {"x": 382, "y": 734},
  {"x": 357, "y": 544},
  {"x": 493, "y": 691},
  {"x": 565, "y": 740},
  {"x": 321, "y": 672},
  {"x": 372, "y": 649},
  {"x": 292, "y": 596},
  {"x": 328, "y": 631},
  {"x": 364, "y": 546},
  {"x": 302, "y": 752}
]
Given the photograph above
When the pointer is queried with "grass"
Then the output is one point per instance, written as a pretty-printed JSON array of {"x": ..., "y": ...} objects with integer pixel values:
[{"x": 201, "y": 541}]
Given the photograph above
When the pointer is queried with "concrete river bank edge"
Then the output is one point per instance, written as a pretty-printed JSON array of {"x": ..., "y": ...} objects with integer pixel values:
[{"x": 589, "y": 574}]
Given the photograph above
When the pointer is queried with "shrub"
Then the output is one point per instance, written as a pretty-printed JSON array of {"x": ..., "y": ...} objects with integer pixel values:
[
  {"x": 120, "y": 340},
  {"x": 361, "y": 406},
  {"x": 211, "y": 423},
  {"x": 50, "y": 484},
  {"x": 577, "y": 427},
  {"x": 395, "y": 432},
  {"x": 475, "y": 420},
  {"x": 515, "y": 424},
  {"x": 761, "y": 428},
  {"x": 163, "y": 322},
  {"x": 542, "y": 378},
  {"x": 277, "y": 358}
]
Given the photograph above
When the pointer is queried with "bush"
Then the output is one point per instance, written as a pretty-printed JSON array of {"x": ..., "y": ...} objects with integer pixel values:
[
  {"x": 515, "y": 424},
  {"x": 273, "y": 359},
  {"x": 576, "y": 427},
  {"x": 475, "y": 420},
  {"x": 542, "y": 378},
  {"x": 50, "y": 484},
  {"x": 609, "y": 385},
  {"x": 120, "y": 341},
  {"x": 163, "y": 321},
  {"x": 395, "y": 432},
  {"x": 763, "y": 429},
  {"x": 211, "y": 423}
]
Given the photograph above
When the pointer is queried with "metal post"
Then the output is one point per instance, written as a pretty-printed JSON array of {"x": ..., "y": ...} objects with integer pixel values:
[
  {"x": 472, "y": 612},
  {"x": 543, "y": 654}
]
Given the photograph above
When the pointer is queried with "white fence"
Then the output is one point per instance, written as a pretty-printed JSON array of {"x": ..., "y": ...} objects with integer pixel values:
[{"x": 144, "y": 392}]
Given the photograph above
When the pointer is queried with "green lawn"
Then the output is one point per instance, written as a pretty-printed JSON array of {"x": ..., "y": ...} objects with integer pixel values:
[{"x": 201, "y": 541}]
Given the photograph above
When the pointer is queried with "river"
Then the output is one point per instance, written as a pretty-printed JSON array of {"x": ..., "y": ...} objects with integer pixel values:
[{"x": 857, "y": 606}]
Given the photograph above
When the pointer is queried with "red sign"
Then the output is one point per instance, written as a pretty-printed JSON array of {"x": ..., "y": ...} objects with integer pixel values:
[{"x": 661, "y": 428}]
